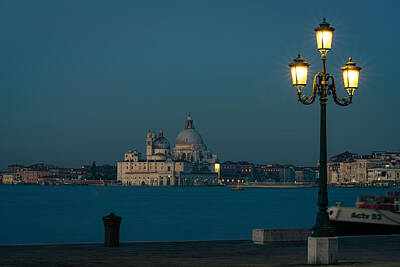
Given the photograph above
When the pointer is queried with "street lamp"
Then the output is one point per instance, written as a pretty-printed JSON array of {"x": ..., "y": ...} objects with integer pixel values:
[{"x": 323, "y": 85}]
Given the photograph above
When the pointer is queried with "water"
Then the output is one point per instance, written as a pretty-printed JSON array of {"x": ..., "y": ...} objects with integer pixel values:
[{"x": 60, "y": 214}]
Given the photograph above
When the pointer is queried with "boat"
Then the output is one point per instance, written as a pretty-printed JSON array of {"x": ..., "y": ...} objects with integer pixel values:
[
  {"x": 373, "y": 215},
  {"x": 237, "y": 188}
]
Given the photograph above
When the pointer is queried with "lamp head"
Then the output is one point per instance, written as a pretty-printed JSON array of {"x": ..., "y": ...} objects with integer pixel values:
[
  {"x": 298, "y": 69},
  {"x": 324, "y": 34},
  {"x": 351, "y": 73}
]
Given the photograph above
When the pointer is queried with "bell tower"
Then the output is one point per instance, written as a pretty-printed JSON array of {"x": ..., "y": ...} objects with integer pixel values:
[{"x": 149, "y": 144}]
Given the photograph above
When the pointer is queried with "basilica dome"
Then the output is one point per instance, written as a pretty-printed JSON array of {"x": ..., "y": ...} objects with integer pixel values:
[
  {"x": 190, "y": 147},
  {"x": 189, "y": 137}
]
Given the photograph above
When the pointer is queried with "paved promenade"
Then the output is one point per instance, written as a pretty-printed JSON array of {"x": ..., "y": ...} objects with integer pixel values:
[{"x": 354, "y": 251}]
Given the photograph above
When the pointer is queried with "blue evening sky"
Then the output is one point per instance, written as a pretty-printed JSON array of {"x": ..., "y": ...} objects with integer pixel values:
[{"x": 84, "y": 80}]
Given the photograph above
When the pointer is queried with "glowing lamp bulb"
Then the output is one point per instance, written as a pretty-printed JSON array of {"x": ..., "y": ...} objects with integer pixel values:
[
  {"x": 298, "y": 69},
  {"x": 351, "y": 74},
  {"x": 324, "y": 35}
]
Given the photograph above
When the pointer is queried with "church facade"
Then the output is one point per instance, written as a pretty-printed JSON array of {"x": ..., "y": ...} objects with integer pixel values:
[{"x": 190, "y": 163}]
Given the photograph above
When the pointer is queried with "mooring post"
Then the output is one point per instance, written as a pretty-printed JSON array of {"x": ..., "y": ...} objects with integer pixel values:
[{"x": 111, "y": 230}]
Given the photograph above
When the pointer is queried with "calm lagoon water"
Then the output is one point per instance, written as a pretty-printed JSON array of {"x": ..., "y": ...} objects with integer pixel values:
[{"x": 61, "y": 214}]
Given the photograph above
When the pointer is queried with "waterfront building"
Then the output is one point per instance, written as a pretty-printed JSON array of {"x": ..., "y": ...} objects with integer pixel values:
[
  {"x": 48, "y": 174},
  {"x": 353, "y": 168},
  {"x": 96, "y": 172},
  {"x": 392, "y": 158},
  {"x": 383, "y": 174},
  {"x": 333, "y": 172},
  {"x": 236, "y": 172},
  {"x": 9, "y": 178},
  {"x": 287, "y": 174},
  {"x": 190, "y": 164},
  {"x": 272, "y": 171},
  {"x": 356, "y": 170},
  {"x": 275, "y": 173},
  {"x": 16, "y": 174},
  {"x": 306, "y": 174}
]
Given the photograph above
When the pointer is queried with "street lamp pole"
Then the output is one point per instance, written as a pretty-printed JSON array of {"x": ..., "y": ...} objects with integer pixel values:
[
  {"x": 322, "y": 226},
  {"x": 323, "y": 85}
]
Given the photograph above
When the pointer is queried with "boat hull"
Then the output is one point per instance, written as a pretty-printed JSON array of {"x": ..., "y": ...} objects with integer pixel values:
[
  {"x": 357, "y": 221},
  {"x": 343, "y": 228}
]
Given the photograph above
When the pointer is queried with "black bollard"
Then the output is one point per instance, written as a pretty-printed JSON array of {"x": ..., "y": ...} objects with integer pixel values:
[{"x": 111, "y": 230}]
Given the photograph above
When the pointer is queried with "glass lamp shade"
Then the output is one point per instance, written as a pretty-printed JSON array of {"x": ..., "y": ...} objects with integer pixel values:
[
  {"x": 351, "y": 73},
  {"x": 299, "y": 69},
  {"x": 324, "y": 34}
]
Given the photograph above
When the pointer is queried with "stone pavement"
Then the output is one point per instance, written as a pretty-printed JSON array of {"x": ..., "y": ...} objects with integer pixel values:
[{"x": 353, "y": 251}]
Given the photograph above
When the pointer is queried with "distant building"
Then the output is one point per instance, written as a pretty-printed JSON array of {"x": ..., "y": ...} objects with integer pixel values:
[
  {"x": 95, "y": 172},
  {"x": 353, "y": 168},
  {"x": 287, "y": 174},
  {"x": 9, "y": 178},
  {"x": 306, "y": 174},
  {"x": 275, "y": 173},
  {"x": 272, "y": 171},
  {"x": 356, "y": 170},
  {"x": 48, "y": 174},
  {"x": 16, "y": 174},
  {"x": 190, "y": 165},
  {"x": 383, "y": 174},
  {"x": 236, "y": 172},
  {"x": 333, "y": 168}
]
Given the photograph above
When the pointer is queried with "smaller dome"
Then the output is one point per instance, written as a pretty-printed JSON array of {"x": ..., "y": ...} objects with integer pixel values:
[{"x": 161, "y": 143}]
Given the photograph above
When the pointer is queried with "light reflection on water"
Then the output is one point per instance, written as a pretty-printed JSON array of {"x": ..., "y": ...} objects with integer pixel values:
[{"x": 60, "y": 214}]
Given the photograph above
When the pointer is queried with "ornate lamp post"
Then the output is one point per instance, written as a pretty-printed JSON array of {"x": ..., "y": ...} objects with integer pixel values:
[{"x": 323, "y": 85}]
